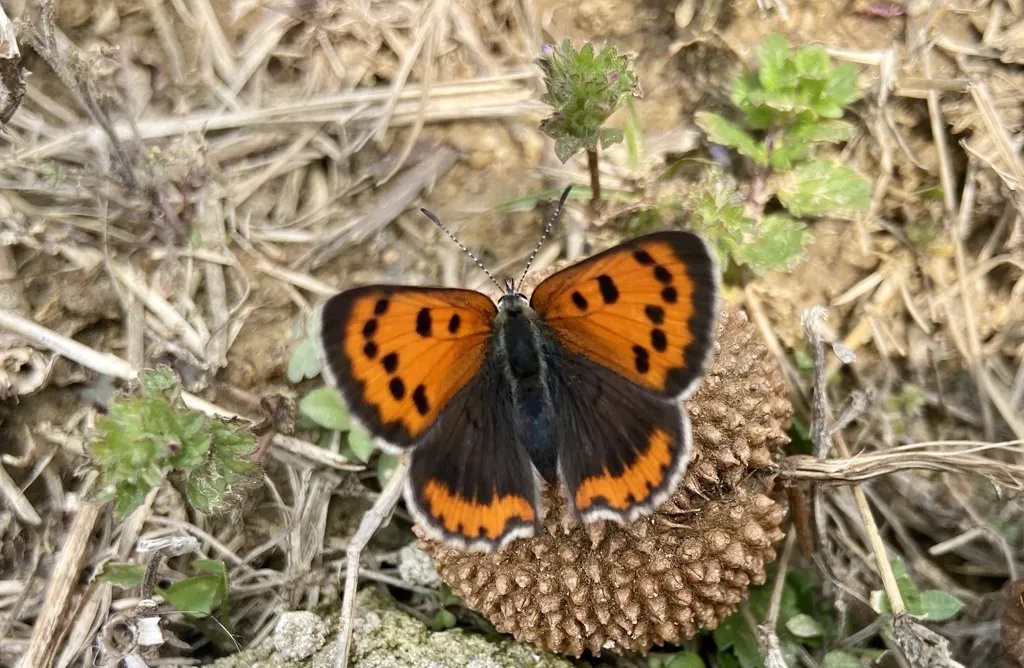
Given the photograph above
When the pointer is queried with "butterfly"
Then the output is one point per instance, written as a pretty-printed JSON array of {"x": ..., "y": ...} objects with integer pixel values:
[{"x": 582, "y": 383}]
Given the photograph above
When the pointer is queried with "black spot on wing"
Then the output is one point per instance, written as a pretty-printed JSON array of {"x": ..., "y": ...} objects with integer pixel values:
[
  {"x": 424, "y": 323},
  {"x": 609, "y": 291},
  {"x": 655, "y": 314},
  {"x": 419, "y": 398},
  {"x": 658, "y": 340},
  {"x": 641, "y": 359},
  {"x": 643, "y": 257}
]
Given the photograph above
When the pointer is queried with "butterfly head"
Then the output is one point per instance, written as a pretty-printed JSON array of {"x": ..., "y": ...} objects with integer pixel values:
[{"x": 512, "y": 300}]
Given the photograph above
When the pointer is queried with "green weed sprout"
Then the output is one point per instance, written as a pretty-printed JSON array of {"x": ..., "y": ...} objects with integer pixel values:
[
  {"x": 323, "y": 408},
  {"x": 145, "y": 438},
  {"x": 790, "y": 107},
  {"x": 585, "y": 87}
]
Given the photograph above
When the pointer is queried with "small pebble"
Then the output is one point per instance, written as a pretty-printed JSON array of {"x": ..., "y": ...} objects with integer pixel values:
[{"x": 299, "y": 634}]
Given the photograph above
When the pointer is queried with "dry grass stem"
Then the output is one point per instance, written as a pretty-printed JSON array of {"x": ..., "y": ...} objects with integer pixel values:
[
  {"x": 963, "y": 458},
  {"x": 372, "y": 520}
]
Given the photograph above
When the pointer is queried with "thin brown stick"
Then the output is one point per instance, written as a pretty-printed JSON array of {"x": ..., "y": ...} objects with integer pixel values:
[
  {"x": 53, "y": 617},
  {"x": 595, "y": 182},
  {"x": 823, "y": 439},
  {"x": 372, "y": 520}
]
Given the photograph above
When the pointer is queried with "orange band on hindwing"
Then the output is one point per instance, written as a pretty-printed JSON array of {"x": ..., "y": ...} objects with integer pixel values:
[{"x": 635, "y": 483}]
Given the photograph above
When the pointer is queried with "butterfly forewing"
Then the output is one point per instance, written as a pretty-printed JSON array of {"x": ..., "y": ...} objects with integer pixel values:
[
  {"x": 470, "y": 482},
  {"x": 399, "y": 354},
  {"x": 644, "y": 309}
]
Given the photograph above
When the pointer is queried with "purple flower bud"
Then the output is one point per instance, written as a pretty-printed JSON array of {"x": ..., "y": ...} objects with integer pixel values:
[
  {"x": 546, "y": 50},
  {"x": 719, "y": 154}
]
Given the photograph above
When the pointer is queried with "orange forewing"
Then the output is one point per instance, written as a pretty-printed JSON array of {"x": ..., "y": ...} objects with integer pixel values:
[
  {"x": 641, "y": 309},
  {"x": 399, "y": 354}
]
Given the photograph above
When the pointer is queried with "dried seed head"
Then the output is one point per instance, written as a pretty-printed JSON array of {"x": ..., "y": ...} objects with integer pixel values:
[{"x": 607, "y": 587}]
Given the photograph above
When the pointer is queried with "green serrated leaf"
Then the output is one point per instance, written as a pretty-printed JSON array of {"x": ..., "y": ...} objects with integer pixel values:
[
  {"x": 939, "y": 606},
  {"x": 841, "y": 85},
  {"x": 565, "y": 146},
  {"x": 159, "y": 380},
  {"x": 324, "y": 406},
  {"x": 723, "y": 131},
  {"x": 360, "y": 443},
  {"x": 820, "y": 187},
  {"x": 811, "y": 62},
  {"x": 304, "y": 362},
  {"x": 804, "y": 626},
  {"x": 778, "y": 246},
  {"x": 773, "y": 58},
  {"x": 121, "y": 575},
  {"x": 841, "y": 660}
]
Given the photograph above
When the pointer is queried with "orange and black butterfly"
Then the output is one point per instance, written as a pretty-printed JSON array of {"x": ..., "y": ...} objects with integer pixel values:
[{"x": 582, "y": 382}]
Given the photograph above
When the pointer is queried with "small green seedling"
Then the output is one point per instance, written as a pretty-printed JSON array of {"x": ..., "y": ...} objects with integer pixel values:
[
  {"x": 323, "y": 408},
  {"x": 147, "y": 436},
  {"x": 789, "y": 108},
  {"x": 799, "y": 611},
  {"x": 199, "y": 597},
  {"x": 932, "y": 605},
  {"x": 585, "y": 87}
]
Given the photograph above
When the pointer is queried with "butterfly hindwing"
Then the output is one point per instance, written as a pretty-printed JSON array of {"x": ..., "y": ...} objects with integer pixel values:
[
  {"x": 399, "y": 354},
  {"x": 470, "y": 482},
  {"x": 644, "y": 309},
  {"x": 622, "y": 449}
]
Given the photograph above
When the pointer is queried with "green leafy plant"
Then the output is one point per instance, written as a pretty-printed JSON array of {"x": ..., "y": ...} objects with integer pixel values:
[
  {"x": 933, "y": 605},
  {"x": 789, "y": 108},
  {"x": 585, "y": 87},
  {"x": 199, "y": 597},
  {"x": 804, "y": 624},
  {"x": 737, "y": 643},
  {"x": 322, "y": 408},
  {"x": 151, "y": 434}
]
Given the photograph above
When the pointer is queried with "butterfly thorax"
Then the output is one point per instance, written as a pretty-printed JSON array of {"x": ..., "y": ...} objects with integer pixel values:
[{"x": 522, "y": 347}]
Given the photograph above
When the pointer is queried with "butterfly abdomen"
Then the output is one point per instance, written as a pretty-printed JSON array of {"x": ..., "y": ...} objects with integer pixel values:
[{"x": 519, "y": 348}]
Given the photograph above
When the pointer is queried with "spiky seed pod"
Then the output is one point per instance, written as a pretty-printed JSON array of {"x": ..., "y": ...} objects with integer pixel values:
[{"x": 607, "y": 587}]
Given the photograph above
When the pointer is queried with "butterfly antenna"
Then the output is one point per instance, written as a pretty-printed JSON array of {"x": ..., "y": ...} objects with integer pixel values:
[
  {"x": 544, "y": 235},
  {"x": 464, "y": 249}
]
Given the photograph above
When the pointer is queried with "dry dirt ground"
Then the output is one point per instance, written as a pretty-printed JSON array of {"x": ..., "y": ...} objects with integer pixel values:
[{"x": 184, "y": 182}]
